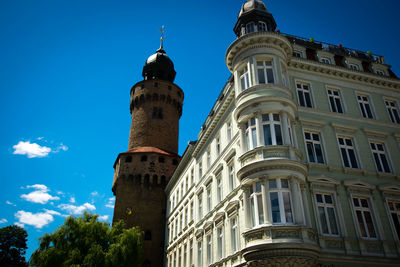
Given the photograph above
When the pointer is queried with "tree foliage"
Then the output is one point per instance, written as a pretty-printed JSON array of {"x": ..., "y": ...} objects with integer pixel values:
[
  {"x": 84, "y": 241},
  {"x": 12, "y": 246}
]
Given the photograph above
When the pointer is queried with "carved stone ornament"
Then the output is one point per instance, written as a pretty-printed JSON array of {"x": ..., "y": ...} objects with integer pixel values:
[{"x": 284, "y": 262}]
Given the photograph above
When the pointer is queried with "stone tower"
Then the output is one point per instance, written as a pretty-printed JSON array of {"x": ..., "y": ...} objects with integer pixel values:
[{"x": 142, "y": 172}]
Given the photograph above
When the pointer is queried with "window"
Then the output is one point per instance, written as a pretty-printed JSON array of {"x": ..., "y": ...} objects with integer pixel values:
[
  {"x": 181, "y": 222},
  {"x": 184, "y": 254},
  {"x": 297, "y": 54},
  {"x": 218, "y": 145},
  {"x": 325, "y": 60},
  {"x": 281, "y": 207},
  {"x": 244, "y": 78},
  {"x": 303, "y": 93},
  {"x": 209, "y": 249},
  {"x": 186, "y": 216},
  {"x": 271, "y": 124},
  {"x": 147, "y": 235},
  {"x": 314, "y": 147},
  {"x": 381, "y": 160},
  {"x": 393, "y": 111},
  {"x": 256, "y": 205},
  {"x": 157, "y": 113},
  {"x": 128, "y": 159},
  {"x": 180, "y": 257},
  {"x": 229, "y": 131},
  {"x": 191, "y": 210},
  {"x": 220, "y": 240},
  {"x": 250, "y": 27},
  {"x": 234, "y": 235},
  {"x": 219, "y": 189},
  {"x": 191, "y": 252},
  {"x": 262, "y": 27},
  {"x": 143, "y": 158},
  {"x": 209, "y": 198},
  {"x": 200, "y": 170},
  {"x": 326, "y": 213},
  {"x": 335, "y": 101},
  {"x": 199, "y": 254},
  {"x": 251, "y": 134},
  {"x": 208, "y": 159},
  {"x": 231, "y": 177},
  {"x": 354, "y": 67},
  {"x": 161, "y": 159},
  {"x": 380, "y": 72},
  {"x": 394, "y": 209},
  {"x": 364, "y": 217},
  {"x": 187, "y": 183},
  {"x": 363, "y": 102},
  {"x": 192, "y": 176},
  {"x": 200, "y": 207},
  {"x": 348, "y": 153},
  {"x": 265, "y": 72}
]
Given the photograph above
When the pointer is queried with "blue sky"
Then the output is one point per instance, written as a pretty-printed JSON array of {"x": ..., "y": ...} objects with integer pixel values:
[{"x": 66, "y": 69}]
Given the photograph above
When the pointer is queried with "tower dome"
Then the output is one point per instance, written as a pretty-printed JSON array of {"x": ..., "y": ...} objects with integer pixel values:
[
  {"x": 252, "y": 5},
  {"x": 254, "y": 17},
  {"x": 159, "y": 67}
]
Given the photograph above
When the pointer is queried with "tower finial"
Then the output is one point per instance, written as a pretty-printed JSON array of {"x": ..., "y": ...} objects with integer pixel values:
[{"x": 162, "y": 37}]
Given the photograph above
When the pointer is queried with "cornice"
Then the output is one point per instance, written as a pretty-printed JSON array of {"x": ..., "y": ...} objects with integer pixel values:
[{"x": 345, "y": 73}]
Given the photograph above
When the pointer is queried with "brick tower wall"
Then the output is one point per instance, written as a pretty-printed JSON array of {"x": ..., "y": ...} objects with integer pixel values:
[{"x": 156, "y": 107}]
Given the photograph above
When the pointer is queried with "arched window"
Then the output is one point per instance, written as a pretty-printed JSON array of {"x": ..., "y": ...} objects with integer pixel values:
[{"x": 262, "y": 27}]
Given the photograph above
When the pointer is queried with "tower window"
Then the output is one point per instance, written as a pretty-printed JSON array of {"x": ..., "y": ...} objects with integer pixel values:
[
  {"x": 143, "y": 158},
  {"x": 262, "y": 27},
  {"x": 147, "y": 235},
  {"x": 250, "y": 27},
  {"x": 161, "y": 159},
  {"x": 128, "y": 159},
  {"x": 157, "y": 113},
  {"x": 175, "y": 162}
]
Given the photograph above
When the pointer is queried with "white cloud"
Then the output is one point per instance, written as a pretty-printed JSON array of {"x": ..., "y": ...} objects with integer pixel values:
[
  {"x": 103, "y": 218},
  {"x": 5, "y": 220},
  {"x": 40, "y": 195},
  {"x": 61, "y": 147},
  {"x": 72, "y": 200},
  {"x": 72, "y": 209},
  {"x": 52, "y": 212},
  {"x": 19, "y": 224},
  {"x": 37, "y": 220},
  {"x": 32, "y": 150},
  {"x": 110, "y": 203},
  {"x": 10, "y": 203},
  {"x": 95, "y": 193}
]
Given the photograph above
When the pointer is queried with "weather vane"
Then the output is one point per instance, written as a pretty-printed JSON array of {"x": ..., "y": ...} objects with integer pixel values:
[{"x": 162, "y": 35}]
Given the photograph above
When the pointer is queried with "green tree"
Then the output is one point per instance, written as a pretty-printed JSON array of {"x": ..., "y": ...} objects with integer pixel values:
[
  {"x": 84, "y": 241},
  {"x": 12, "y": 246}
]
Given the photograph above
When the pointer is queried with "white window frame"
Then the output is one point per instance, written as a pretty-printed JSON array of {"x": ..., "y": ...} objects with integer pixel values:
[
  {"x": 262, "y": 26},
  {"x": 199, "y": 253},
  {"x": 379, "y": 155},
  {"x": 325, "y": 60},
  {"x": 209, "y": 198},
  {"x": 229, "y": 131},
  {"x": 363, "y": 210},
  {"x": 248, "y": 29},
  {"x": 273, "y": 126},
  {"x": 251, "y": 134},
  {"x": 244, "y": 78},
  {"x": 335, "y": 96},
  {"x": 234, "y": 234},
  {"x": 200, "y": 206},
  {"x": 327, "y": 206},
  {"x": 200, "y": 170},
  {"x": 264, "y": 68},
  {"x": 302, "y": 92},
  {"x": 191, "y": 210},
  {"x": 395, "y": 210},
  {"x": 218, "y": 145},
  {"x": 347, "y": 147},
  {"x": 220, "y": 242},
  {"x": 363, "y": 104},
  {"x": 232, "y": 176},
  {"x": 281, "y": 203},
  {"x": 209, "y": 249},
  {"x": 185, "y": 247},
  {"x": 257, "y": 216},
  {"x": 190, "y": 252},
  {"x": 219, "y": 189},
  {"x": 313, "y": 143},
  {"x": 393, "y": 110},
  {"x": 354, "y": 66},
  {"x": 208, "y": 154},
  {"x": 297, "y": 53}
]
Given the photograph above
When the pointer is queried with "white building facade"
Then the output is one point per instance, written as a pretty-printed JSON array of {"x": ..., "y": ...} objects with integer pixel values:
[{"x": 296, "y": 164}]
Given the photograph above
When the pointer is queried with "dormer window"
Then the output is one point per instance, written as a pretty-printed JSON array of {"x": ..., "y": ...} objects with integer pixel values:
[
  {"x": 325, "y": 60},
  {"x": 380, "y": 72},
  {"x": 250, "y": 27},
  {"x": 297, "y": 54},
  {"x": 262, "y": 27},
  {"x": 354, "y": 67}
]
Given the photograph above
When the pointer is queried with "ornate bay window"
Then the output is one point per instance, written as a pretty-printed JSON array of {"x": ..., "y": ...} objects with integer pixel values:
[
  {"x": 281, "y": 207},
  {"x": 244, "y": 78},
  {"x": 251, "y": 134},
  {"x": 271, "y": 124}
]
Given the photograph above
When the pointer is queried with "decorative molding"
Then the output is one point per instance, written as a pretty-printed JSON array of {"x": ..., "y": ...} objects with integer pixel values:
[
  {"x": 375, "y": 133},
  {"x": 344, "y": 128}
]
